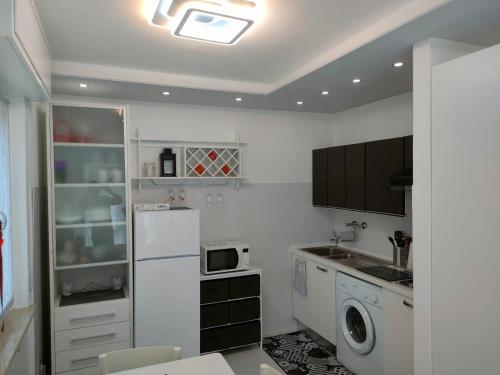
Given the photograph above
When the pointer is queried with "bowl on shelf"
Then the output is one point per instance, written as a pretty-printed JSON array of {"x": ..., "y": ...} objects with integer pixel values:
[
  {"x": 66, "y": 258},
  {"x": 97, "y": 214},
  {"x": 68, "y": 220},
  {"x": 99, "y": 252}
]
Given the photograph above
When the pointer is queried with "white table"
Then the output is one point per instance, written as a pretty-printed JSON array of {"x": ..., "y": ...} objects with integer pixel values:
[{"x": 211, "y": 364}]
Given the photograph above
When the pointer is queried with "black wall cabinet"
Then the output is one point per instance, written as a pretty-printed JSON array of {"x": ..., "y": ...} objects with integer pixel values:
[
  {"x": 320, "y": 177},
  {"x": 357, "y": 177},
  {"x": 383, "y": 160},
  {"x": 336, "y": 177}
]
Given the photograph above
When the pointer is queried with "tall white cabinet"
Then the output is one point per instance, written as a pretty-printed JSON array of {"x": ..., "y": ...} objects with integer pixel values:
[
  {"x": 464, "y": 299},
  {"x": 90, "y": 236}
]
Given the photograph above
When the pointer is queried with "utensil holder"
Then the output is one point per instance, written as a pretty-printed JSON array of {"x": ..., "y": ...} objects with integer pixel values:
[{"x": 404, "y": 253}]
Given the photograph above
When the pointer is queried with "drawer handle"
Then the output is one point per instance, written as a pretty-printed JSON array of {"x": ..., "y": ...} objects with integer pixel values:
[
  {"x": 113, "y": 334},
  {"x": 322, "y": 269},
  {"x": 93, "y": 358},
  {"x": 92, "y": 316},
  {"x": 408, "y": 304}
]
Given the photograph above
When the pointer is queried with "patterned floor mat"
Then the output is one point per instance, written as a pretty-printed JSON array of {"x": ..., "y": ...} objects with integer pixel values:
[{"x": 297, "y": 354}]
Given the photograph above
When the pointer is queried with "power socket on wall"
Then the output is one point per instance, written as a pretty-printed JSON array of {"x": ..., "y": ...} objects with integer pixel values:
[{"x": 217, "y": 200}]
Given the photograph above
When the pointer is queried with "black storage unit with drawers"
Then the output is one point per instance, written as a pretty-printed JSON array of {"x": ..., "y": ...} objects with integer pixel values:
[{"x": 230, "y": 310}]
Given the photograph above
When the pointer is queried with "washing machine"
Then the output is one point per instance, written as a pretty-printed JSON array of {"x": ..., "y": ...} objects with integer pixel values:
[{"x": 359, "y": 325}]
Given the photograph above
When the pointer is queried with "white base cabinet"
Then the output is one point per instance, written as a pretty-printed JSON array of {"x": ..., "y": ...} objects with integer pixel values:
[
  {"x": 317, "y": 309},
  {"x": 398, "y": 334}
]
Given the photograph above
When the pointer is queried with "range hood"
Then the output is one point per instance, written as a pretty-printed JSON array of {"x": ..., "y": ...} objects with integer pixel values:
[{"x": 403, "y": 180}]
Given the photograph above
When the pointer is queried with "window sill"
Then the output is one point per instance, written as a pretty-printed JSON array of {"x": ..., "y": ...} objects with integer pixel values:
[{"x": 17, "y": 322}]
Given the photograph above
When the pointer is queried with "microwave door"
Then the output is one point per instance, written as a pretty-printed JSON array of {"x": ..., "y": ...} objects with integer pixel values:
[{"x": 222, "y": 259}]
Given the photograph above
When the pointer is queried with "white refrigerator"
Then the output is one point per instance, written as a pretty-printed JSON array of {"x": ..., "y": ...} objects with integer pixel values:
[{"x": 167, "y": 278}]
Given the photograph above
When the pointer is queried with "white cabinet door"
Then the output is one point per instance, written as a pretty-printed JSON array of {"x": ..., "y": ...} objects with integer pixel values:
[
  {"x": 317, "y": 309},
  {"x": 321, "y": 285},
  {"x": 398, "y": 334}
]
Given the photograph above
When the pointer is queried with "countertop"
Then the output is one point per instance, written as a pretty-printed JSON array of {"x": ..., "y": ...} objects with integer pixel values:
[
  {"x": 225, "y": 275},
  {"x": 296, "y": 249}
]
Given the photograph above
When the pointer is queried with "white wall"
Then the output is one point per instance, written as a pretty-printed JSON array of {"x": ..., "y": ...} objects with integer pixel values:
[
  {"x": 273, "y": 209},
  {"x": 279, "y": 143},
  {"x": 389, "y": 118}
]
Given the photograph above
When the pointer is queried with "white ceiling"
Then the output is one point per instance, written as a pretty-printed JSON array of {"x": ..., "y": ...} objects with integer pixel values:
[
  {"x": 293, "y": 32},
  {"x": 368, "y": 54}
]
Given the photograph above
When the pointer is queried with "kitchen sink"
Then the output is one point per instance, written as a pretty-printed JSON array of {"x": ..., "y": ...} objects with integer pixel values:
[
  {"x": 330, "y": 252},
  {"x": 343, "y": 255},
  {"x": 346, "y": 257},
  {"x": 324, "y": 251}
]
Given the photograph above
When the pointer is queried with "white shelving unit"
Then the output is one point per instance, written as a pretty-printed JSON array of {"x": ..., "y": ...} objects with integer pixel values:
[
  {"x": 91, "y": 184},
  {"x": 90, "y": 235},
  {"x": 100, "y": 145},
  {"x": 205, "y": 162},
  {"x": 90, "y": 225}
]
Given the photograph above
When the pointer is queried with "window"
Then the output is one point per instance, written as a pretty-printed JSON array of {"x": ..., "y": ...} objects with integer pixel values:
[{"x": 5, "y": 203}]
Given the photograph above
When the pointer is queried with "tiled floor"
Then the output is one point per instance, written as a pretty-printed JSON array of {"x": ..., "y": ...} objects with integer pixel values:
[{"x": 246, "y": 361}]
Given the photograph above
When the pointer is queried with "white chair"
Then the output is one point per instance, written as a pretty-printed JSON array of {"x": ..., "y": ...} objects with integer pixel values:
[
  {"x": 268, "y": 370},
  {"x": 129, "y": 359}
]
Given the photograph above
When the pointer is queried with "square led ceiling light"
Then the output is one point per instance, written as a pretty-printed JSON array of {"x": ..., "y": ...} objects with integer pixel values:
[{"x": 212, "y": 23}]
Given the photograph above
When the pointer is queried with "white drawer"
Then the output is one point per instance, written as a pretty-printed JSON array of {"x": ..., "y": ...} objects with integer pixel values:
[
  {"x": 92, "y": 314},
  {"x": 91, "y": 336},
  {"x": 87, "y": 357},
  {"x": 83, "y": 371}
]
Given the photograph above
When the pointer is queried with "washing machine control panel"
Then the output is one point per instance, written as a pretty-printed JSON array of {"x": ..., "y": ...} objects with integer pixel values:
[
  {"x": 360, "y": 289},
  {"x": 372, "y": 298}
]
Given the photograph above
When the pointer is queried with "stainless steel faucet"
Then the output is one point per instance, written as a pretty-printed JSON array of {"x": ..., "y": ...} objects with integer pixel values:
[{"x": 334, "y": 239}]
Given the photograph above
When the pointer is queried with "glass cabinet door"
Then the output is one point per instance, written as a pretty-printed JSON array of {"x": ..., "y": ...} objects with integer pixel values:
[{"x": 90, "y": 209}]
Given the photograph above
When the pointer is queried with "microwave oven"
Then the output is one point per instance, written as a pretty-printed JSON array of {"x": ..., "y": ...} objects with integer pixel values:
[{"x": 228, "y": 256}]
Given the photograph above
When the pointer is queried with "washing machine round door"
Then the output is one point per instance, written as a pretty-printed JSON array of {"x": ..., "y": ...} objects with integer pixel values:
[{"x": 357, "y": 327}]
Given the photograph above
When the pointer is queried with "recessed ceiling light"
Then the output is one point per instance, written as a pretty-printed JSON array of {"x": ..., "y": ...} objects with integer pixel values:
[
  {"x": 239, "y": 99},
  {"x": 300, "y": 102},
  {"x": 325, "y": 92},
  {"x": 166, "y": 93},
  {"x": 398, "y": 64},
  {"x": 83, "y": 85},
  {"x": 215, "y": 21},
  {"x": 356, "y": 80}
]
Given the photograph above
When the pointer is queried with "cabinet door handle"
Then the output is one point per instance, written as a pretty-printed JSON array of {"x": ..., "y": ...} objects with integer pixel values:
[
  {"x": 93, "y": 358},
  {"x": 92, "y": 316},
  {"x": 113, "y": 334},
  {"x": 322, "y": 269},
  {"x": 408, "y": 304}
]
